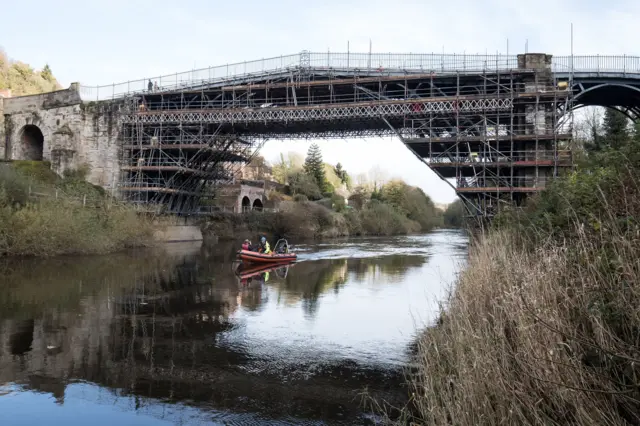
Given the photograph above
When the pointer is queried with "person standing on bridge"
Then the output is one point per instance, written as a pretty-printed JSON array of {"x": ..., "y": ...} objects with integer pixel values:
[{"x": 150, "y": 85}]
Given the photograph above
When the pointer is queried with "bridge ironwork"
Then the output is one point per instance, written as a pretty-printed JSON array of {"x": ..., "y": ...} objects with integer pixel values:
[
  {"x": 495, "y": 127},
  {"x": 360, "y": 62}
]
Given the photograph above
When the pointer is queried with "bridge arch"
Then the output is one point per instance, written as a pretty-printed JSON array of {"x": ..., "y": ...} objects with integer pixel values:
[
  {"x": 620, "y": 96},
  {"x": 257, "y": 204},
  {"x": 246, "y": 203},
  {"x": 632, "y": 114},
  {"x": 31, "y": 142}
]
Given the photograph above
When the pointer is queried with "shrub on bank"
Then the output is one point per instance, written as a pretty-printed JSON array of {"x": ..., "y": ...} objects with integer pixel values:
[
  {"x": 307, "y": 219},
  {"x": 86, "y": 222},
  {"x": 454, "y": 214},
  {"x": 396, "y": 208},
  {"x": 543, "y": 325}
]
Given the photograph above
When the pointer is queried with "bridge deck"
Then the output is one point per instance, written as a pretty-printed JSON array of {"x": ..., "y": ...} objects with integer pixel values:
[{"x": 480, "y": 128}]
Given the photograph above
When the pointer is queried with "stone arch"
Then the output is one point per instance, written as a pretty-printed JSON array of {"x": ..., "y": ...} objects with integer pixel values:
[
  {"x": 31, "y": 142},
  {"x": 257, "y": 204},
  {"x": 246, "y": 203}
]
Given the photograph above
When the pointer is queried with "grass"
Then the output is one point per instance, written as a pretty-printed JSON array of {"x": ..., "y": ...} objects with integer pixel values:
[
  {"x": 543, "y": 326},
  {"x": 69, "y": 216}
]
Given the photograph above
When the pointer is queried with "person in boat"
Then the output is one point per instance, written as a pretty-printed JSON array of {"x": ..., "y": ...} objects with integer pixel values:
[
  {"x": 246, "y": 245},
  {"x": 264, "y": 247}
]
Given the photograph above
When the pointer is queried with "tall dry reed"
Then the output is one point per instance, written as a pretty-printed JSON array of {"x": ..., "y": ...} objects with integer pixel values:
[{"x": 543, "y": 326}]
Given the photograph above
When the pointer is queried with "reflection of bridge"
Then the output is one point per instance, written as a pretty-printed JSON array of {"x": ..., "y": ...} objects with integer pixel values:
[
  {"x": 499, "y": 126},
  {"x": 157, "y": 328}
]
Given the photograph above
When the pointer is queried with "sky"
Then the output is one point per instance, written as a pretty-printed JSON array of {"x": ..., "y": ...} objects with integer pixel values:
[{"x": 105, "y": 42}]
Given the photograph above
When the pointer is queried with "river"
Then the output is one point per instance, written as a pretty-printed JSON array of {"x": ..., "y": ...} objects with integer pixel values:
[{"x": 173, "y": 335}]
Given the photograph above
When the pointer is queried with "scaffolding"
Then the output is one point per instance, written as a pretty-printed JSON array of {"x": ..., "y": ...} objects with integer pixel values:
[
  {"x": 176, "y": 168},
  {"x": 494, "y": 135}
]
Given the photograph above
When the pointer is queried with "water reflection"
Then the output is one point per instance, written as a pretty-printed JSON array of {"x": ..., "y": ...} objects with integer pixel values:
[{"x": 183, "y": 334}]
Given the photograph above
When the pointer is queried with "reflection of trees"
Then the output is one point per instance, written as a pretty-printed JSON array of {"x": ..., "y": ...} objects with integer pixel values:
[
  {"x": 307, "y": 281},
  {"x": 386, "y": 269},
  {"x": 33, "y": 285},
  {"x": 151, "y": 326}
]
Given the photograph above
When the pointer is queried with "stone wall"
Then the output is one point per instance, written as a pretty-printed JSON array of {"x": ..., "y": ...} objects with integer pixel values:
[
  {"x": 76, "y": 134},
  {"x": 3, "y": 140}
]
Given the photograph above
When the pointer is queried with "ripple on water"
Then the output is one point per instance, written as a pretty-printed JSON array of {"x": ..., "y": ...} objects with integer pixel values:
[{"x": 152, "y": 337}]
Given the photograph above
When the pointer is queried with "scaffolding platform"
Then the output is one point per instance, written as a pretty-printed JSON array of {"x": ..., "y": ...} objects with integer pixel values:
[{"x": 493, "y": 135}]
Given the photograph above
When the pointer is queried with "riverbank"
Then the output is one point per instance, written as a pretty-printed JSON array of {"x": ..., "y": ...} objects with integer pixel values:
[
  {"x": 310, "y": 220},
  {"x": 42, "y": 214},
  {"x": 542, "y": 326}
]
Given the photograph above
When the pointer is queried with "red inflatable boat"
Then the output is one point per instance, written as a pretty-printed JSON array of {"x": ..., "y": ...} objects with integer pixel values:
[
  {"x": 255, "y": 257},
  {"x": 280, "y": 254}
]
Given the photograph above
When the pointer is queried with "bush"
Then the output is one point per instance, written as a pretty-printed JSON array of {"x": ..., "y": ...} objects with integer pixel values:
[
  {"x": 51, "y": 226},
  {"x": 302, "y": 183},
  {"x": 23, "y": 80},
  {"x": 543, "y": 325},
  {"x": 411, "y": 202},
  {"x": 379, "y": 218},
  {"x": 454, "y": 214},
  {"x": 338, "y": 203}
]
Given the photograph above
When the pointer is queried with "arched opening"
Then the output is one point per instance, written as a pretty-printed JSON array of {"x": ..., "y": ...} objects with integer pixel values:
[
  {"x": 246, "y": 204},
  {"x": 21, "y": 341},
  {"x": 32, "y": 142},
  {"x": 257, "y": 204},
  {"x": 623, "y": 97}
]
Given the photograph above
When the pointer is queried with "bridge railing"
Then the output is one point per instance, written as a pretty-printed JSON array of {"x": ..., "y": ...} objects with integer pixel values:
[
  {"x": 429, "y": 62},
  {"x": 189, "y": 78},
  {"x": 412, "y": 61},
  {"x": 597, "y": 64}
]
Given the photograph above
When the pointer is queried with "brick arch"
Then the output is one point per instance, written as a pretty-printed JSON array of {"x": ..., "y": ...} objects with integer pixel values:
[
  {"x": 31, "y": 142},
  {"x": 245, "y": 203},
  {"x": 257, "y": 204}
]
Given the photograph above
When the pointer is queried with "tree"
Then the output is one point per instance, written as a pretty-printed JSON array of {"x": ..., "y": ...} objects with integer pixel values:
[
  {"x": 454, "y": 214},
  {"x": 304, "y": 184},
  {"x": 616, "y": 128},
  {"x": 359, "y": 197},
  {"x": 258, "y": 168},
  {"x": 314, "y": 166},
  {"x": 341, "y": 173},
  {"x": 46, "y": 73},
  {"x": 614, "y": 134},
  {"x": 285, "y": 166},
  {"x": 378, "y": 177}
]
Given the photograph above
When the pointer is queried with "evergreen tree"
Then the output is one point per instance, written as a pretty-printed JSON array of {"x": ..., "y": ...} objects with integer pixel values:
[
  {"x": 314, "y": 166},
  {"x": 616, "y": 128},
  {"x": 46, "y": 73},
  {"x": 614, "y": 133},
  {"x": 341, "y": 173}
]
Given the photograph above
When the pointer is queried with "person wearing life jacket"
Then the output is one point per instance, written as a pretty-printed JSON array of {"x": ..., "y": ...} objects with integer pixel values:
[
  {"x": 264, "y": 246},
  {"x": 246, "y": 245}
]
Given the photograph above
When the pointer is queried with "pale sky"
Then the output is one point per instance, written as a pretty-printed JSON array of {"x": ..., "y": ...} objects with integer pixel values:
[{"x": 102, "y": 42}]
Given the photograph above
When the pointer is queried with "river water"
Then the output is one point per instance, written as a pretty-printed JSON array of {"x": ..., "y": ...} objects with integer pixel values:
[{"x": 178, "y": 335}]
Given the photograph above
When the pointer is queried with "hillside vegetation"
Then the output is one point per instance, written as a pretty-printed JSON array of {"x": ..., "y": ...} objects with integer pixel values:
[
  {"x": 22, "y": 79},
  {"x": 315, "y": 206},
  {"x": 42, "y": 214},
  {"x": 543, "y": 325}
]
